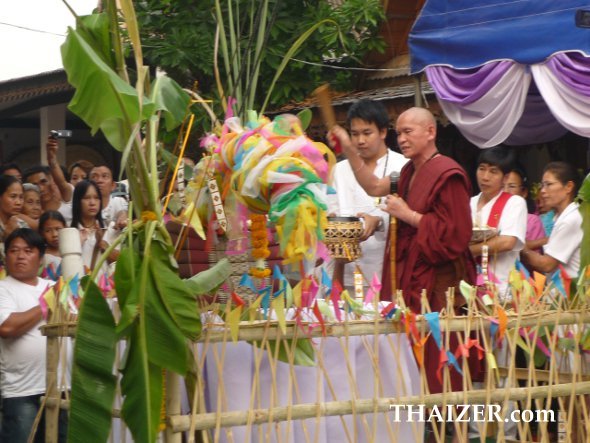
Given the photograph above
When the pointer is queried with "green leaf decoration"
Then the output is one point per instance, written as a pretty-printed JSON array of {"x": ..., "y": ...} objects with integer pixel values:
[
  {"x": 305, "y": 116},
  {"x": 584, "y": 199},
  {"x": 539, "y": 358},
  {"x": 169, "y": 98},
  {"x": 179, "y": 301},
  {"x": 142, "y": 385},
  {"x": 102, "y": 99},
  {"x": 167, "y": 345},
  {"x": 127, "y": 292},
  {"x": 303, "y": 352},
  {"x": 93, "y": 382},
  {"x": 207, "y": 281}
]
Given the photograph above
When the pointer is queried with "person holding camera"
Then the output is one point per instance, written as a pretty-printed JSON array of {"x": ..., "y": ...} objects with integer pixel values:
[{"x": 56, "y": 193}]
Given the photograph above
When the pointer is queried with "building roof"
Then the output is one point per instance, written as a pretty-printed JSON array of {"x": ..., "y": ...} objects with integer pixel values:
[
  {"x": 26, "y": 94},
  {"x": 385, "y": 93}
]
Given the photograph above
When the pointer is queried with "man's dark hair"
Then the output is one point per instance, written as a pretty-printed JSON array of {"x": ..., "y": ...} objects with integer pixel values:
[
  {"x": 6, "y": 166},
  {"x": 36, "y": 170},
  {"x": 32, "y": 238},
  {"x": 101, "y": 165},
  {"x": 499, "y": 156},
  {"x": 369, "y": 111}
]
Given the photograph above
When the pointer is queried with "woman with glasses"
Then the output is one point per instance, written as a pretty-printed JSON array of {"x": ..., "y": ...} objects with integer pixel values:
[{"x": 558, "y": 190}]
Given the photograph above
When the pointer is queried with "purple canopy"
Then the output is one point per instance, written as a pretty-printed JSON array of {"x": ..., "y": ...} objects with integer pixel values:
[{"x": 506, "y": 101}]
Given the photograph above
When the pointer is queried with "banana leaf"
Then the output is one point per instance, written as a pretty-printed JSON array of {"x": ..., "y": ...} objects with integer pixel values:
[
  {"x": 166, "y": 313},
  {"x": 102, "y": 99},
  {"x": 207, "y": 281},
  {"x": 93, "y": 381},
  {"x": 169, "y": 98},
  {"x": 142, "y": 385},
  {"x": 303, "y": 352},
  {"x": 584, "y": 200}
]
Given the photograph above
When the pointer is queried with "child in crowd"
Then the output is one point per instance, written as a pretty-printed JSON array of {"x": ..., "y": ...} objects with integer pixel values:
[
  {"x": 50, "y": 223},
  {"x": 32, "y": 201}
]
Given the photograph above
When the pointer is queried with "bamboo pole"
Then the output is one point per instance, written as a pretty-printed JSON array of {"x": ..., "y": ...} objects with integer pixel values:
[
  {"x": 180, "y": 423},
  {"x": 51, "y": 391},
  {"x": 255, "y": 331},
  {"x": 172, "y": 405}
]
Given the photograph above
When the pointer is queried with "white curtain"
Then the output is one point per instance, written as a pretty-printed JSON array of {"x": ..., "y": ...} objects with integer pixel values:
[
  {"x": 491, "y": 119},
  {"x": 569, "y": 107}
]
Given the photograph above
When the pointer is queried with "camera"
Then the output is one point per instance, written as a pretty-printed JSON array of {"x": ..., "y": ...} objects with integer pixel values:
[{"x": 61, "y": 133}]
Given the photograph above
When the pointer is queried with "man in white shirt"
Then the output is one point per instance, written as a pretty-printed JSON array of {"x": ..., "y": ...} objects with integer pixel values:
[
  {"x": 111, "y": 206},
  {"x": 368, "y": 121},
  {"x": 22, "y": 347},
  {"x": 505, "y": 212}
]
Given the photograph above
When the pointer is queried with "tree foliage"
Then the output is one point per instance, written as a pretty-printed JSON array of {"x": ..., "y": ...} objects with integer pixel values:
[{"x": 179, "y": 36}]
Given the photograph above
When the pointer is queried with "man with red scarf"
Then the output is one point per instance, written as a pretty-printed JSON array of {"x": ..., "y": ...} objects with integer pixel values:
[{"x": 434, "y": 223}]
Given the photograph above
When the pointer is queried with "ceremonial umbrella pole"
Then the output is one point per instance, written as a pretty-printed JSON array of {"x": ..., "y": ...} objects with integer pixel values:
[{"x": 324, "y": 98}]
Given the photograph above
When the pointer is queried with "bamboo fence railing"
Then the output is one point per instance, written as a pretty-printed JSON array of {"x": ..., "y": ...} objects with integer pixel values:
[{"x": 277, "y": 407}]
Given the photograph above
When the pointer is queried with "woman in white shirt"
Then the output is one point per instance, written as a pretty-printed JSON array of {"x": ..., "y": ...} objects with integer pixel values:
[
  {"x": 87, "y": 218},
  {"x": 558, "y": 190}
]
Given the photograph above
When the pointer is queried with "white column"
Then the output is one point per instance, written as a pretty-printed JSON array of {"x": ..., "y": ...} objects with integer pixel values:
[
  {"x": 52, "y": 117},
  {"x": 70, "y": 249}
]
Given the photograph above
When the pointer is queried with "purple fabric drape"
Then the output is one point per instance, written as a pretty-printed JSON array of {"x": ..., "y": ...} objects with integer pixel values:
[
  {"x": 492, "y": 104},
  {"x": 572, "y": 69},
  {"x": 465, "y": 86},
  {"x": 537, "y": 124}
]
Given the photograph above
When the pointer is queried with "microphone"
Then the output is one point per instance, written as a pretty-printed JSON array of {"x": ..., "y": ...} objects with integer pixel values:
[{"x": 394, "y": 179}]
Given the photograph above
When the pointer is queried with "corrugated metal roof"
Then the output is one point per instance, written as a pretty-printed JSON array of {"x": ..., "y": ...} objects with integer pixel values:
[{"x": 385, "y": 93}]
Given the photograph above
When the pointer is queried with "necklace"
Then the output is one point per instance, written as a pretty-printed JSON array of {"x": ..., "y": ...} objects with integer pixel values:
[{"x": 92, "y": 226}]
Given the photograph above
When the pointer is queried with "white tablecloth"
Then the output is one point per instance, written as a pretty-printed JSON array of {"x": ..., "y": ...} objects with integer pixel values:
[{"x": 397, "y": 376}]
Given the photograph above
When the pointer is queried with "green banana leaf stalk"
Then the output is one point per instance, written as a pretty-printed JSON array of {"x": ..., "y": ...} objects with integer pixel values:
[
  {"x": 584, "y": 201},
  {"x": 159, "y": 312}
]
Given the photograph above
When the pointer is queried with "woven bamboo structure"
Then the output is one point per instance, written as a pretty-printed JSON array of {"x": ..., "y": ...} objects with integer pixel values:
[{"x": 276, "y": 406}]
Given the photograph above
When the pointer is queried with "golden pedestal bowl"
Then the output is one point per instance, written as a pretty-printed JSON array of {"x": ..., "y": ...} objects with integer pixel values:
[{"x": 342, "y": 237}]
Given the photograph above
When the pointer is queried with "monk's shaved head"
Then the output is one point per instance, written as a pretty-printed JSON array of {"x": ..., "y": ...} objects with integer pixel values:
[
  {"x": 421, "y": 116},
  {"x": 416, "y": 134}
]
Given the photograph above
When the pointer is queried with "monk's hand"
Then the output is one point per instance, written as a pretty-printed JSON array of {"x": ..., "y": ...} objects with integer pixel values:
[
  {"x": 371, "y": 223},
  {"x": 397, "y": 207},
  {"x": 339, "y": 136}
]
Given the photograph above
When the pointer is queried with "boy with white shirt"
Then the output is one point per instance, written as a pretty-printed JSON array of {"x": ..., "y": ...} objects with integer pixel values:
[
  {"x": 500, "y": 210},
  {"x": 368, "y": 121},
  {"x": 506, "y": 213}
]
